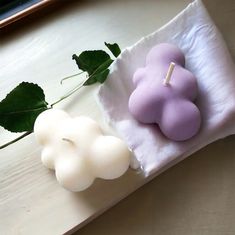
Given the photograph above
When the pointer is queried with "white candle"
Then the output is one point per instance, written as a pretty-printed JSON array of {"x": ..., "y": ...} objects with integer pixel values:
[{"x": 78, "y": 151}]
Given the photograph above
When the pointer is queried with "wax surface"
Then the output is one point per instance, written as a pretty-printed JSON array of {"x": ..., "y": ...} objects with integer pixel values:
[
  {"x": 170, "y": 106},
  {"x": 78, "y": 151}
]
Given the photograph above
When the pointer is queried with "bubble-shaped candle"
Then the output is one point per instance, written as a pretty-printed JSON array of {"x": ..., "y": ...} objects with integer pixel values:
[
  {"x": 78, "y": 151},
  {"x": 165, "y": 92}
]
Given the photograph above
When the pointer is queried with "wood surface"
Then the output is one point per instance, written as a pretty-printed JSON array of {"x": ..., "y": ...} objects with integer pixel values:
[{"x": 39, "y": 49}]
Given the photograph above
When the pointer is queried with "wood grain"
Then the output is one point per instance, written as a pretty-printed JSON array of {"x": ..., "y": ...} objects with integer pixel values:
[{"x": 31, "y": 201}]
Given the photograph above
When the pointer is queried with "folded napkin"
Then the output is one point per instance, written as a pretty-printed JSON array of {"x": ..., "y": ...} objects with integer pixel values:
[{"x": 207, "y": 58}]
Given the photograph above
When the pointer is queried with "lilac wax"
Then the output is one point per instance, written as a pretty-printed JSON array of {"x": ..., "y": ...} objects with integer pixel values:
[{"x": 165, "y": 92}]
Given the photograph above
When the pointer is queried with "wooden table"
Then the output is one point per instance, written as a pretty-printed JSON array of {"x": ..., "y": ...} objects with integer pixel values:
[{"x": 194, "y": 197}]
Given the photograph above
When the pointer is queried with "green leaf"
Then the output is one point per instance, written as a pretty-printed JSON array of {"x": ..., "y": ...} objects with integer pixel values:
[
  {"x": 96, "y": 64},
  {"x": 20, "y": 108},
  {"x": 100, "y": 77},
  {"x": 89, "y": 61},
  {"x": 102, "y": 67},
  {"x": 100, "y": 74},
  {"x": 114, "y": 48}
]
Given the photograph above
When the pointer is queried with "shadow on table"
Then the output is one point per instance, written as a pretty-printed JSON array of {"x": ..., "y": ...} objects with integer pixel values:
[{"x": 194, "y": 197}]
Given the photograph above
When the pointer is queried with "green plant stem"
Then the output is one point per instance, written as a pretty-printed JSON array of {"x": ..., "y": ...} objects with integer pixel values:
[
  {"x": 68, "y": 94},
  {"x": 51, "y": 106},
  {"x": 77, "y": 87},
  {"x": 15, "y": 140},
  {"x": 56, "y": 102},
  {"x": 71, "y": 76}
]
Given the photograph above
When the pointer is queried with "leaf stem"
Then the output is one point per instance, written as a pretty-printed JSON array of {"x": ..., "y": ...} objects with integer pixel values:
[
  {"x": 80, "y": 85},
  {"x": 56, "y": 102},
  {"x": 15, "y": 140},
  {"x": 68, "y": 94},
  {"x": 71, "y": 76}
]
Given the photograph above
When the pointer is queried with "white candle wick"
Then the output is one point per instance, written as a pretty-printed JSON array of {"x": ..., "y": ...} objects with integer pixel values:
[{"x": 169, "y": 73}]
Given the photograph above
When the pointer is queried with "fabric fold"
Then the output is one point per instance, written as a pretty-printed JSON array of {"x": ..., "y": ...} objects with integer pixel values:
[{"x": 207, "y": 57}]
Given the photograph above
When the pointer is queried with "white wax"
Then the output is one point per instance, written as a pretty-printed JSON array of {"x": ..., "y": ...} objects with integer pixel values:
[{"x": 78, "y": 151}]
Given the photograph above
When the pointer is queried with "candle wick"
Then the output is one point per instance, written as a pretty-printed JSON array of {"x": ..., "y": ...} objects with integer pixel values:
[
  {"x": 169, "y": 73},
  {"x": 68, "y": 140}
]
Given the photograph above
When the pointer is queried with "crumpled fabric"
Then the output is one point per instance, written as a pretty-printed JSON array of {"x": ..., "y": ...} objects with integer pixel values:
[{"x": 207, "y": 57}]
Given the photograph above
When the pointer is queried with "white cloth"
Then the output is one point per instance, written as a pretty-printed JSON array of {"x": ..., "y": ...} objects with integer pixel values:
[{"x": 207, "y": 57}]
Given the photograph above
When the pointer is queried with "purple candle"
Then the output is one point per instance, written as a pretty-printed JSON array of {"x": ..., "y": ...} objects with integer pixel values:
[{"x": 164, "y": 93}]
